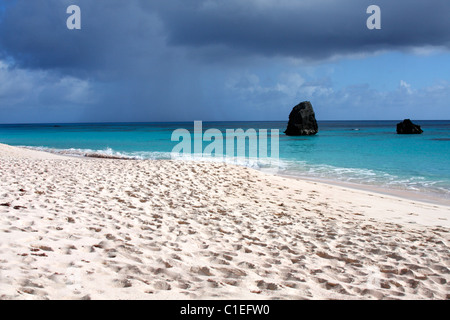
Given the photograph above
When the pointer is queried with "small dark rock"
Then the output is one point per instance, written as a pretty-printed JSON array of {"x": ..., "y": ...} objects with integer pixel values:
[{"x": 407, "y": 127}]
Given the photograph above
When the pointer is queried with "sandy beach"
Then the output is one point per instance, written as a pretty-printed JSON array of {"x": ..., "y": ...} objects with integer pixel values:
[{"x": 85, "y": 228}]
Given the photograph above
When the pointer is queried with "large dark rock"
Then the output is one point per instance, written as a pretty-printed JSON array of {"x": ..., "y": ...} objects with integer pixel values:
[
  {"x": 407, "y": 127},
  {"x": 302, "y": 120}
]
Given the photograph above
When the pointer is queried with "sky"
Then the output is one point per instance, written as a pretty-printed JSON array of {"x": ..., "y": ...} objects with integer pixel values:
[{"x": 213, "y": 60}]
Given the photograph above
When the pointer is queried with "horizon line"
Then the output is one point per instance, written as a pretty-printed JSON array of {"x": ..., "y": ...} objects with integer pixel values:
[{"x": 205, "y": 121}]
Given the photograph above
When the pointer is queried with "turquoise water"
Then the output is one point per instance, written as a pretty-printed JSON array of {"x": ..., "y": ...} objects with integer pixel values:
[{"x": 363, "y": 152}]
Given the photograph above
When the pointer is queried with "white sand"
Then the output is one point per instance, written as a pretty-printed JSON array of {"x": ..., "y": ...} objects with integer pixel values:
[{"x": 113, "y": 229}]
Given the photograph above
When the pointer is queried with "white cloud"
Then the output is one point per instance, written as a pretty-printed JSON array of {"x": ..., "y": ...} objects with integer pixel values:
[
  {"x": 406, "y": 86},
  {"x": 279, "y": 94},
  {"x": 428, "y": 50},
  {"x": 42, "y": 96},
  {"x": 32, "y": 87},
  {"x": 288, "y": 84}
]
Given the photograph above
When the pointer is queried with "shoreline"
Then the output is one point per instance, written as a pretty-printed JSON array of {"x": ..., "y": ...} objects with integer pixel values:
[
  {"x": 419, "y": 196},
  {"x": 422, "y": 196},
  {"x": 86, "y": 228}
]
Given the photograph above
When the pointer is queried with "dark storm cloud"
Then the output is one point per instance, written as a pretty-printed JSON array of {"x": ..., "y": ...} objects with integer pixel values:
[
  {"x": 126, "y": 35},
  {"x": 119, "y": 52},
  {"x": 305, "y": 29},
  {"x": 116, "y": 35},
  {"x": 147, "y": 60}
]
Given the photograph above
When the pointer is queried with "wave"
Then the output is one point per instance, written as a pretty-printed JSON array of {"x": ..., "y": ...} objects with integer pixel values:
[
  {"x": 288, "y": 167},
  {"x": 106, "y": 153},
  {"x": 109, "y": 153},
  {"x": 369, "y": 177}
]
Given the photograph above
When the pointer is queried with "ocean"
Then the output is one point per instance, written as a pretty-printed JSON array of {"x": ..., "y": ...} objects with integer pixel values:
[{"x": 366, "y": 153}]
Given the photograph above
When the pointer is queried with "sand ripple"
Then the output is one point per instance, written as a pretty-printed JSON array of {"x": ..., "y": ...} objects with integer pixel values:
[{"x": 112, "y": 229}]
